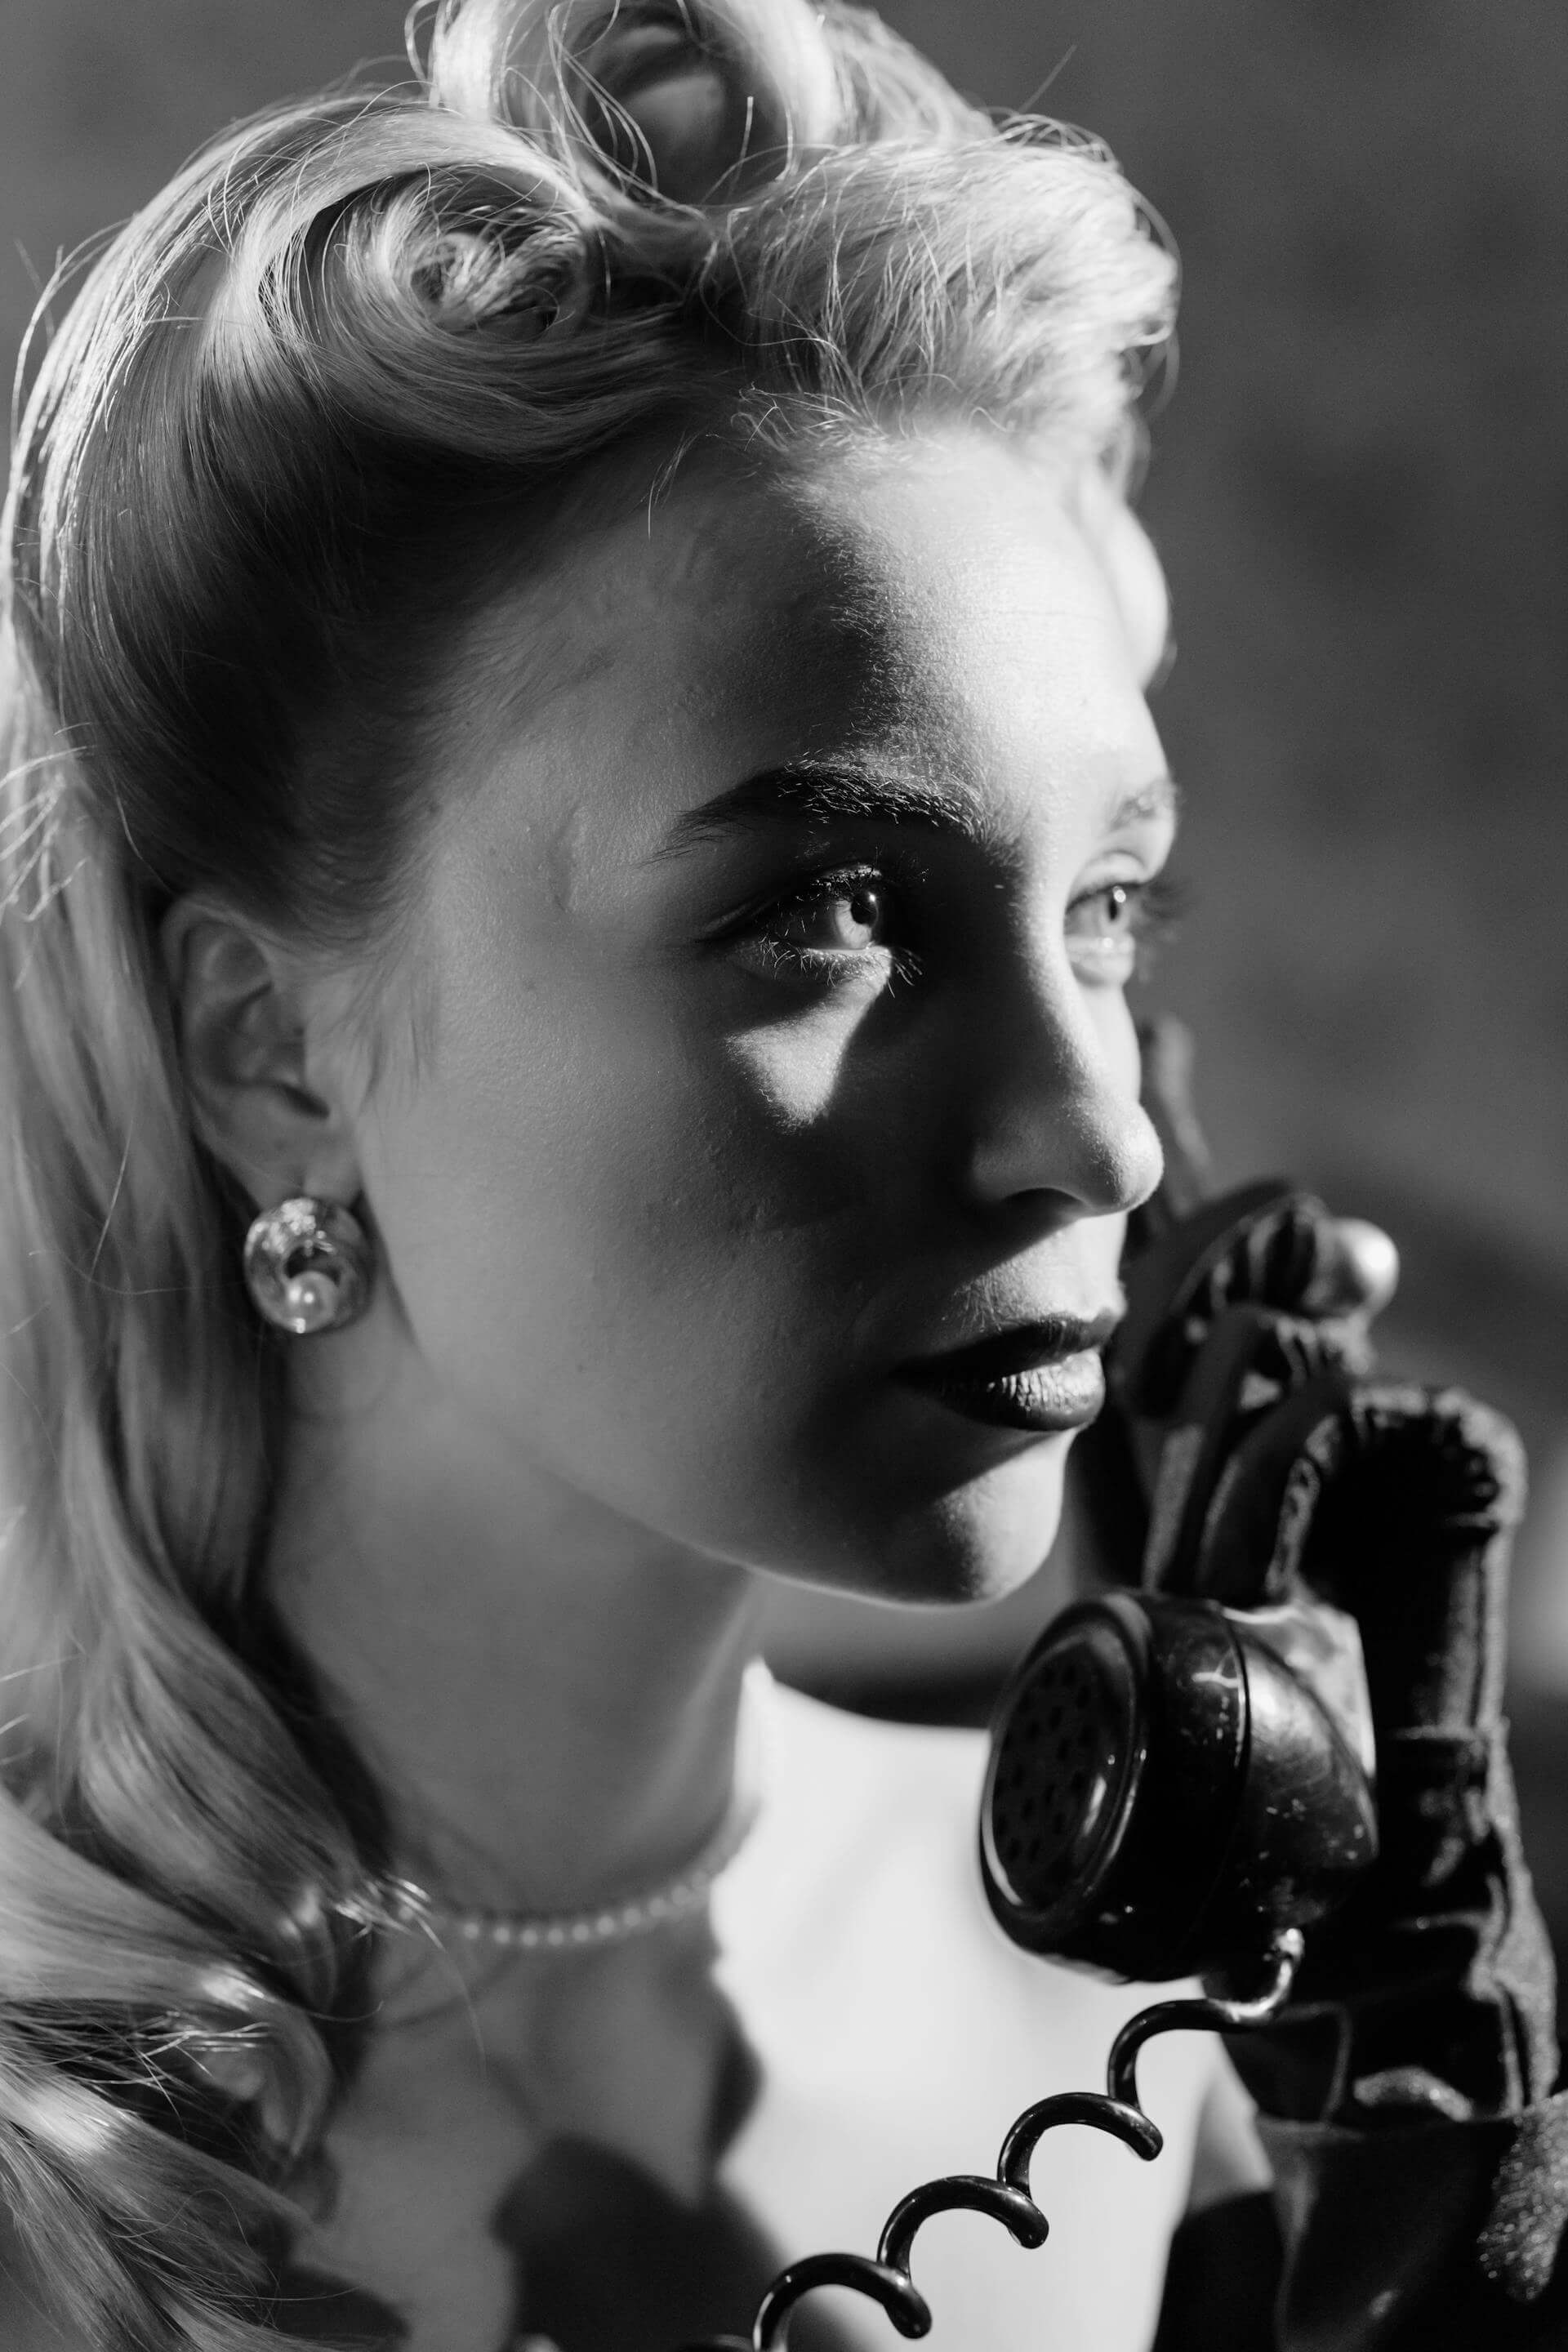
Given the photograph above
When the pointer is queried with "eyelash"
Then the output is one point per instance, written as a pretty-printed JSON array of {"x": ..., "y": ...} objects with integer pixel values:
[{"x": 1154, "y": 909}]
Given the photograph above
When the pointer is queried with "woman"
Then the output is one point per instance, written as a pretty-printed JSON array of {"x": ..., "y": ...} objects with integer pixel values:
[{"x": 579, "y": 775}]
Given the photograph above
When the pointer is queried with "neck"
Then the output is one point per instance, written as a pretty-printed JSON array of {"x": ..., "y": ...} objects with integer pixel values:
[{"x": 548, "y": 1694}]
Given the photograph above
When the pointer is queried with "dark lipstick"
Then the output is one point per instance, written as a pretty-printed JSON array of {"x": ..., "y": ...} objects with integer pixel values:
[{"x": 1039, "y": 1376}]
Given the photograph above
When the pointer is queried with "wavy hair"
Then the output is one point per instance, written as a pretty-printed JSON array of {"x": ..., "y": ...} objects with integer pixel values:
[{"x": 307, "y": 411}]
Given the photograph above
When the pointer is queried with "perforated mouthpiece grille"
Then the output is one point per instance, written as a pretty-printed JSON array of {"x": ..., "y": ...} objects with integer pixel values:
[{"x": 1062, "y": 1760}]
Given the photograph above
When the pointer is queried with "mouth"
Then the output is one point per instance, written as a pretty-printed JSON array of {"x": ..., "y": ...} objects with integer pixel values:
[{"x": 1037, "y": 1377}]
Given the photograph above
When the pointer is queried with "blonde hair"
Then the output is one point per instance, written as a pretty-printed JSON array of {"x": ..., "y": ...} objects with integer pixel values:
[{"x": 304, "y": 413}]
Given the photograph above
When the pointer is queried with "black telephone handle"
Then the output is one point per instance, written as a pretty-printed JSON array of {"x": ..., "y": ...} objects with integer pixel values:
[{"x": 1165, "y": 1795}]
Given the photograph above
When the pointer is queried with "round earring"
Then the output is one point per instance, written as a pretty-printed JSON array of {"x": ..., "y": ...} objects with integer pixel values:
[{"x": 307, "y": 1265}]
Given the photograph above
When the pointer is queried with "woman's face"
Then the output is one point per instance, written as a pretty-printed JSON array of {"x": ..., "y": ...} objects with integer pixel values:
[{"x": 773, "y": 1042}]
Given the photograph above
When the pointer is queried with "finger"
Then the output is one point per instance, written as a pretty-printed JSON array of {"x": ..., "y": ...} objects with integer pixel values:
[
  {"x": 1356, "y": 1273},
  {"x": 1186, "y": 1275},
  {"x": 1242, "y": 1370}
]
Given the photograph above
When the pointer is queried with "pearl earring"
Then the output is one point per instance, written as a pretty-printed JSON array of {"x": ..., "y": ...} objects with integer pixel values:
[{"x": 307, "y": 1265}]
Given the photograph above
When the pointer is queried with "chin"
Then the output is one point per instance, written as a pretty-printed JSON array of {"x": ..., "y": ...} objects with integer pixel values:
[{"x": 978, "y": 1542}]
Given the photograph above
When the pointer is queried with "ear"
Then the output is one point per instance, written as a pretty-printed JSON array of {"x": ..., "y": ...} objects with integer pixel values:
[{"x": 258, "y": 1101}]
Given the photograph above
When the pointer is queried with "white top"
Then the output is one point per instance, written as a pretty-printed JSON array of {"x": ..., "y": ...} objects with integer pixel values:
[{"x": 858, "y": 1902}]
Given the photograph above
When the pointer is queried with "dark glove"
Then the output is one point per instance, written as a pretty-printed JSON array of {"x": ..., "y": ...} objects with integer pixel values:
[
  {"x": 1432, "y": 1990},
  {"x": 1314, "y": 1281},
  {"x": 1267, "y": 1466},
  {"x": 1421, "y": 2163},
  {"x": 1278, "y": 1474}
]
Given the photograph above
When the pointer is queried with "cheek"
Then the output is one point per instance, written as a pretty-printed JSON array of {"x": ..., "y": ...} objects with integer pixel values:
[
  {"x": 1116, "y": 1035},
  {"x": 636, "y": 1245},
  {"x": 651, "y": 1259},
  {"x": 1117, "y": 1032}
]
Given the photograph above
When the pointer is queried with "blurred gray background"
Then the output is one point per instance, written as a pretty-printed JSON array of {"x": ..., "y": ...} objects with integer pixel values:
[{"x": 1360, "y": 489}]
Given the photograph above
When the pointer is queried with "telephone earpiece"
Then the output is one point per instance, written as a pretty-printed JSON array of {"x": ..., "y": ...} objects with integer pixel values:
[{"x": 1166, "y": 1792}]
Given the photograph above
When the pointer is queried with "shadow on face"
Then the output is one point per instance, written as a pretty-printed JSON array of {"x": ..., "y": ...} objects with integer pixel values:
[{"x": 780, "y": 911}]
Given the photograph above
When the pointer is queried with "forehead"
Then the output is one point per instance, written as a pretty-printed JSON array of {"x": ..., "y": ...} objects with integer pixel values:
[{"x": 934, "y": 599}]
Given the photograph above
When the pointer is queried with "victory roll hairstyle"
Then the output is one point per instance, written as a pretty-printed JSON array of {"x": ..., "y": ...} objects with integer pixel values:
[{"x": 313, "y": 407}]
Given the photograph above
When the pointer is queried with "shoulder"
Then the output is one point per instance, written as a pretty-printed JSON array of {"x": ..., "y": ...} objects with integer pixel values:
[
  {"x": 860, "y": 1894},
  {"x": 865, "y": 1866}
]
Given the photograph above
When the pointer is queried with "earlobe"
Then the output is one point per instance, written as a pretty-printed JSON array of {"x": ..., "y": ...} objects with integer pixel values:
[{"x": 241, "y": 1026}]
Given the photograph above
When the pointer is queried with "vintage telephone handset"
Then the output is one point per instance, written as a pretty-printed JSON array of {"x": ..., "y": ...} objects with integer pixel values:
[{"x": 1180, "y": 1775}]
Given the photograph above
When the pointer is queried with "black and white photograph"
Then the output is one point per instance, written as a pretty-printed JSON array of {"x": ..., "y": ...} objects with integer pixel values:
[{"x": 783, "y": 1122}]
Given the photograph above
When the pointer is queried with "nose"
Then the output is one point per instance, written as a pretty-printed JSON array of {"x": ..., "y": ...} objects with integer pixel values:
[{"x": 1054, "y": 1120}]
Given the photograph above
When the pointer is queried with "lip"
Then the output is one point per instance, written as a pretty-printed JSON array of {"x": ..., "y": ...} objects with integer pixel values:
[{"x": 1038, "y": 1377}]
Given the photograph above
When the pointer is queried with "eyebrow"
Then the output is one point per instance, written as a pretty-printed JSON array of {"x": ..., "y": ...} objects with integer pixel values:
[
  {"x": 813, "y": 792},
  {"x": 809, "y": 793}
]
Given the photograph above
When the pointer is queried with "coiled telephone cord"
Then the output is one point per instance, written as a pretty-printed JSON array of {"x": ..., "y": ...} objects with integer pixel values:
[{"x": 886, "y": 2277}]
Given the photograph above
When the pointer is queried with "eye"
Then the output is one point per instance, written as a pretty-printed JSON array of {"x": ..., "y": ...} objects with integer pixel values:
[
  {"x": 834, "y": 927},
  {"x": 846, "y": 915},
  {"x": 1105, "y": 928}
]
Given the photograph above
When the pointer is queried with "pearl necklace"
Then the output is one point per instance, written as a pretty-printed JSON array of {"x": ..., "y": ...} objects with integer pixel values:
[{"x": 652, "y": 1906}]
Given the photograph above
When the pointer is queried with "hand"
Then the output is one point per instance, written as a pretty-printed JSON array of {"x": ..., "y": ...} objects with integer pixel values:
[
  {"x": 1313, "y": 1283},
  {"x": 1432, "y": 1991},
  {"x": 1264, "y": 1464}
]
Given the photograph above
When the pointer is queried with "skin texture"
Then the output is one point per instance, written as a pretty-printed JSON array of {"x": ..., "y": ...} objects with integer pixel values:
[
  {"x": 681, "y": 1137},
  {"x": 835, "y": 1166}
]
